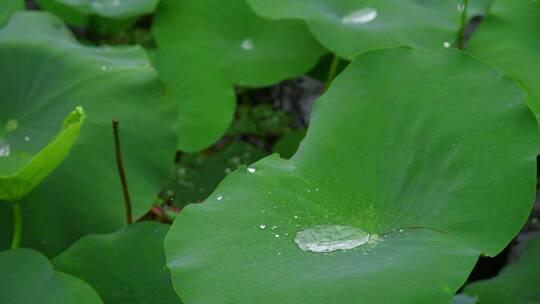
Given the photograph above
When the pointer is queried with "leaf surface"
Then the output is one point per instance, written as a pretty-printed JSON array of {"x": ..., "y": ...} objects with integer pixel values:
[
  {"x": 433, "y": 152},
  {"x": 45, "y": 73},
  {"x": 126, "y": 266},
  {"x": 26, "y": 276}
]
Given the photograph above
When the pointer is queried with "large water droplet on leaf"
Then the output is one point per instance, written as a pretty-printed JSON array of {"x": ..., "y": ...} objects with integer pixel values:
[
  {"x": 247, "y": 45},
  {"x": 5, "y": 150},
  {"x": 361, "y": 16},
  {"x": 327, "y": 238}
]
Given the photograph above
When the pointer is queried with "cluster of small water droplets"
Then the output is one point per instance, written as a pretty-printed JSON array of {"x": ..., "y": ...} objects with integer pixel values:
[
  {"x": 328, "y": 238},
  {"x": 247, "y": 44},
  {"x": 360, "y": 16}
]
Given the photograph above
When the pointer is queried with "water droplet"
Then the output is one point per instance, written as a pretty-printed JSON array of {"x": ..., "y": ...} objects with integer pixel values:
[
  {"x": 400, "y": 230},
  {"x": 27, "y": 138},
  {"x": 317, "y": 189},
  {"x": 262, "y": 226},
  {"x": 327, "y": 238},
  {"x": 277, "y": 236},
  {"x": 279, "y": 253},
  {"x": 461, "y": 7},
  {"x": 219, "y": 197},
  {"x": 228, "y": 170},
  {"x": 446, "y": 44},
  {"x": 5, "y": 150},
  {"x": 251, "y": 170},
  {"x": 274, "y": 227},
  {"x": 295, "y": 217},
  {"x": 247, "y": 45},
  {"x": 103, "y": 68},
  {"x": 361, "y": 16},
  {"x": 182, "y": 171}
]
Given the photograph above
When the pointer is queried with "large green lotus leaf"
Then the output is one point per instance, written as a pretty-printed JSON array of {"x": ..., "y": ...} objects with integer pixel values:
[
  {"x": 517, "y": 283},
  {"x": 26, "y": 276},
  {"x": 20, "y": 169},
  {"x": 127, "y": 266},
  {"x": 205, "y": 99},
  {"x": 350, "y": 27},
  {"x": 8, "y": 7},
  {"x": 252, "y": 50},
  {"x": 432, "y": 151},
  {"x": 509, "y": 38},
  {"x": 45, "y": 73}
]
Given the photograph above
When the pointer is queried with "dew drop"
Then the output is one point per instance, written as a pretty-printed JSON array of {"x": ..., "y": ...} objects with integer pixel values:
[
  {"x": 247, "y": 44},
  {"x": 328, "y": 238},
  {"x": 274, "y": 227},
  {"x": 277, "y": 236},
  {"x": 251, "y": 170},
  {"x": 27, "y": 138},
  {"x": 5, "y": 150},
  {"x": 461, "y": 7},
  {"x": 446, "y": 44},
  {"x": 219, "y": 197},
  {"x": 295, "y": 217},
  {"x": 360, "y": 16},
  {"x": 262, "y": 226},
  {"x": 103, "y": 68}
]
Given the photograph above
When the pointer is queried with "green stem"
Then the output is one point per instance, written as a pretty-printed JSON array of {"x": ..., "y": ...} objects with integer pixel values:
[
  {"x": 461, "y": 34},
  {"x": 331, "y": 72},
  {"x": 17, "y": 228}
]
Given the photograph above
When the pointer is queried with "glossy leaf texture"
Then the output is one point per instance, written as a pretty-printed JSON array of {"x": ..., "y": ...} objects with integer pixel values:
[
  {"x": 199, "y": 88},
  {"x": 253, "y": 51},
  {"x": 509, "y": 38},
  {"x": 104, "y": 16},
  {"x": 21, "y": 170},
  {"x": 26, "y": 276},
  {"x": 118, "y": 9},
  {"x": 45, "y": 73},
  {"x": 432, "y": 151},
  {"x": 8, "y": 7},
  {"x": 348, "y": 28},
  {"x": 127, "y": 266},
  {"x": 516, "y": 283}
]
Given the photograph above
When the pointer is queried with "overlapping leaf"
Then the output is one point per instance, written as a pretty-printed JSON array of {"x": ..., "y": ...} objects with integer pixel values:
[
  {"x": 434, "y": 152},
  {"x": 509, "y": 38},
  {"x": 45, "y": 73},
  {"x": 22, "y": 169},
  {"x": 105, "y": 15},
  {"x": 349, "y": 28},
  {"x": 253, "y": 51},
  {"x": 27, "y": 276},
  {"x": 204, "y": 97},
  {"x": 517, "y": 283},
  {"x": 8, "y": 7},
  {"x": 127, "y": 266}
]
